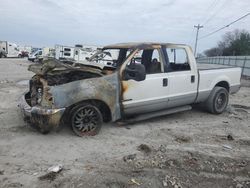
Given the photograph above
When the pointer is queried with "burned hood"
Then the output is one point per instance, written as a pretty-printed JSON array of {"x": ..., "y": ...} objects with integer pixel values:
[{"x": 52, "y": 65}]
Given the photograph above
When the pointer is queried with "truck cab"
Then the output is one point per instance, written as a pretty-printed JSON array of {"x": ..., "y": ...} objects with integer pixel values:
[{"x": 171, "y": 79}]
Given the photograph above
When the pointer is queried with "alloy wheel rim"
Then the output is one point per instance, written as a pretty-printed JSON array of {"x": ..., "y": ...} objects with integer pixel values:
[
  {"x": 85, "y": 119},
  {"x": 220, "y": 101}
]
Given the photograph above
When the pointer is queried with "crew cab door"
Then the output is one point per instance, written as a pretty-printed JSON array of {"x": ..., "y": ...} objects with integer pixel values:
[
  {"x": 182, "y": 75},
  {"x": 150, "y": 94}
]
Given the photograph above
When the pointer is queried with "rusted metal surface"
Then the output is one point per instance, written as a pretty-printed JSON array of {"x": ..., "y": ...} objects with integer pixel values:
[
  {"x": 125, "y": 86},
  {"x": 47, "y": 99},
  {"x": 103, "y": 89},
  {"x": 138, "y": 45},
  {"x": 55, "y": 99},
  {"x": 44, "y": 118},
  {"x": 53, "y": 66}
]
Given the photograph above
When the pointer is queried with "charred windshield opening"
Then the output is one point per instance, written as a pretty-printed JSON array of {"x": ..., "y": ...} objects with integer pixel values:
[{"x": 111, "y": 57}]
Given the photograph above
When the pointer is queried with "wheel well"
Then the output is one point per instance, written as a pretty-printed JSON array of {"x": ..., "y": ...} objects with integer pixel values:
[
  {"x": 223, "y": 84},
  {"x": 102, "y": 106}
]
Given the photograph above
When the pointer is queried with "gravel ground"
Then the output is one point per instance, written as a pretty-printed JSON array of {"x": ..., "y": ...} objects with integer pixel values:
[{"x": 188, "y": 149}]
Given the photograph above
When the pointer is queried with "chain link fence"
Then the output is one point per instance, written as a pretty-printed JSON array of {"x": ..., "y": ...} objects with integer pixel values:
[{"x": 236, "y": 61}]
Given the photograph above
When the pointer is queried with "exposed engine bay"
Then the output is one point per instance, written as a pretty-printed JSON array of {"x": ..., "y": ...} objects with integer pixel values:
[
  {"x": 53, "y": 72},
  {"x": 66, "y": 77}
]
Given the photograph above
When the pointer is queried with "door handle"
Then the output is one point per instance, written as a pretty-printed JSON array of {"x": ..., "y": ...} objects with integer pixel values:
[
  {"x": 192, "y": 78},
  {"x": 165, "y": 82}
]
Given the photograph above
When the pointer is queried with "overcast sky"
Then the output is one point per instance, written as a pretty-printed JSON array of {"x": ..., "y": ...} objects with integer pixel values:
[{"x": 69, "y": 22}]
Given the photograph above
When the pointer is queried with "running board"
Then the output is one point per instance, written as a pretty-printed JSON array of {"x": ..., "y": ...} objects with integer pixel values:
[{"x": 158, "y": 113}]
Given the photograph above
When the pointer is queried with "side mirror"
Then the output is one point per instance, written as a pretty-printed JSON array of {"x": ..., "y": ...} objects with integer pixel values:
[{"x": 135, "y": 71}]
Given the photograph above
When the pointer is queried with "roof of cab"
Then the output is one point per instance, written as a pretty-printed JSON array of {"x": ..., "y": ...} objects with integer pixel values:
[{"x": 140, "y": 45}]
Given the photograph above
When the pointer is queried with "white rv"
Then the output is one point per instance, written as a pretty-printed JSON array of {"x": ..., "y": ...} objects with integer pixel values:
[
  {"x": 77, "y": 53},
  {"x": 80, "y": 54},
  {"x": 64, "y": 52},
  {"x": 8, "y": 49}
]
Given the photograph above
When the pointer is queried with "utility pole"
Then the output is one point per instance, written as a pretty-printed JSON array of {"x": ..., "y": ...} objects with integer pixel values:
[{"x": 197, "y": 34}]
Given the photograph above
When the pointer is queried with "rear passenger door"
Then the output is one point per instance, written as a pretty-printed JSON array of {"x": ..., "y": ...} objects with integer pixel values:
[{"x": 182, "y": 77}]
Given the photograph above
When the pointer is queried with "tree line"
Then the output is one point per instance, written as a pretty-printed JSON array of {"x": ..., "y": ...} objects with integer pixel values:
[{"x": 234, "y": 43}]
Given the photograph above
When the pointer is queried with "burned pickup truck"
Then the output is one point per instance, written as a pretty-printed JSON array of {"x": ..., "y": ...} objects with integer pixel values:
[{"x": 144, "y": 80}]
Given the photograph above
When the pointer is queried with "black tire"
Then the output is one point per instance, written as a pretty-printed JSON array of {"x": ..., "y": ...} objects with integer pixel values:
[
  {"x": 86, "y": 119},
  {"x": 44, "y": 131},
  {"x": 19, "y": 56},
  {"x": 217, "y": 100}
]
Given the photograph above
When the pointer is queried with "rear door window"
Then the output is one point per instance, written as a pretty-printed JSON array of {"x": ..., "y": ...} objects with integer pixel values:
[{"x": 177, "y": 60}]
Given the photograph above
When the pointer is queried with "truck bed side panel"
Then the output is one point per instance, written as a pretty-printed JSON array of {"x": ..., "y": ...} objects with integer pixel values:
[{"x": 208, "y": 78}]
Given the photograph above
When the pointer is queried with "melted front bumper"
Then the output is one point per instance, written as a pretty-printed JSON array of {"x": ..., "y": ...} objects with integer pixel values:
[{"x": 45, "y": 118}]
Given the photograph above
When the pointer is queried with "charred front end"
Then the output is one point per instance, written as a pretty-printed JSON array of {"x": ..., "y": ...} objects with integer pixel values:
[{"x": 38, "y": 105}]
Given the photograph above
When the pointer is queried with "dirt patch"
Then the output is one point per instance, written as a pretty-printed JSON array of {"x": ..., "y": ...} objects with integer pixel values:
[
  {"x": 117, "y": 184},
  {"x": 144, "y": 148},
  {"x": 129, "y": 157},
  {"x": 208, "y": 168},
  {"x": 244, "y": 142},
  {"x": 240, "y": 106},
  {"x": 51, "y": 176},
  {"x": 230, "y": 137},
  {"x": 183, "y": 139}
]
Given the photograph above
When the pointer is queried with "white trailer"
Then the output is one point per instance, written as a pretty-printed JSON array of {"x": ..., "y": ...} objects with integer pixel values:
[
  {"x": 77, "y": 53},
  {"x": 64, "y": 52},
  {"x": 48, "y": 52},
  {"x": 80, "y": 54},
  {"x": 8, "y": 49}
]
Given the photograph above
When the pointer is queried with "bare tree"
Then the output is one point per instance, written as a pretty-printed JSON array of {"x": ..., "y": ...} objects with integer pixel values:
[
  {"x": 213, "y": 52},
  {"x": 236, "y": 42}
]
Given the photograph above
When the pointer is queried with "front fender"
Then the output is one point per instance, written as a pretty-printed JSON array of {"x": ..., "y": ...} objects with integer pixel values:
[{"x": 104, "y": 88}]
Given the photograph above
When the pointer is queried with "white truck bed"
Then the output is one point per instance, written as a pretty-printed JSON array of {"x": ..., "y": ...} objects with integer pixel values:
[
  {"x": 210, "y": 74},
  {"x": 204, "y": 66}
]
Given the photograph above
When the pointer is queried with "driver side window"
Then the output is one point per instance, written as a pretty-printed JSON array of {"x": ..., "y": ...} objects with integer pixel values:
[
  {"x": 177, "y": 60},
  {"x": 151, "y": 60}
]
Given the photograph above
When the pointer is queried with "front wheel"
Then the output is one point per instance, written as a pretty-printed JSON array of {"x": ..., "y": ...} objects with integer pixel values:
[
  {"x": 217, "y": 100},
  {"x": 86, "y": 120}
]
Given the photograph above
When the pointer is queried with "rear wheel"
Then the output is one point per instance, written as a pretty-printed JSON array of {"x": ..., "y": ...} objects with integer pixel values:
[
  {"x": 217, "y": 100},
  {"x": 86, "y": 119}
]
